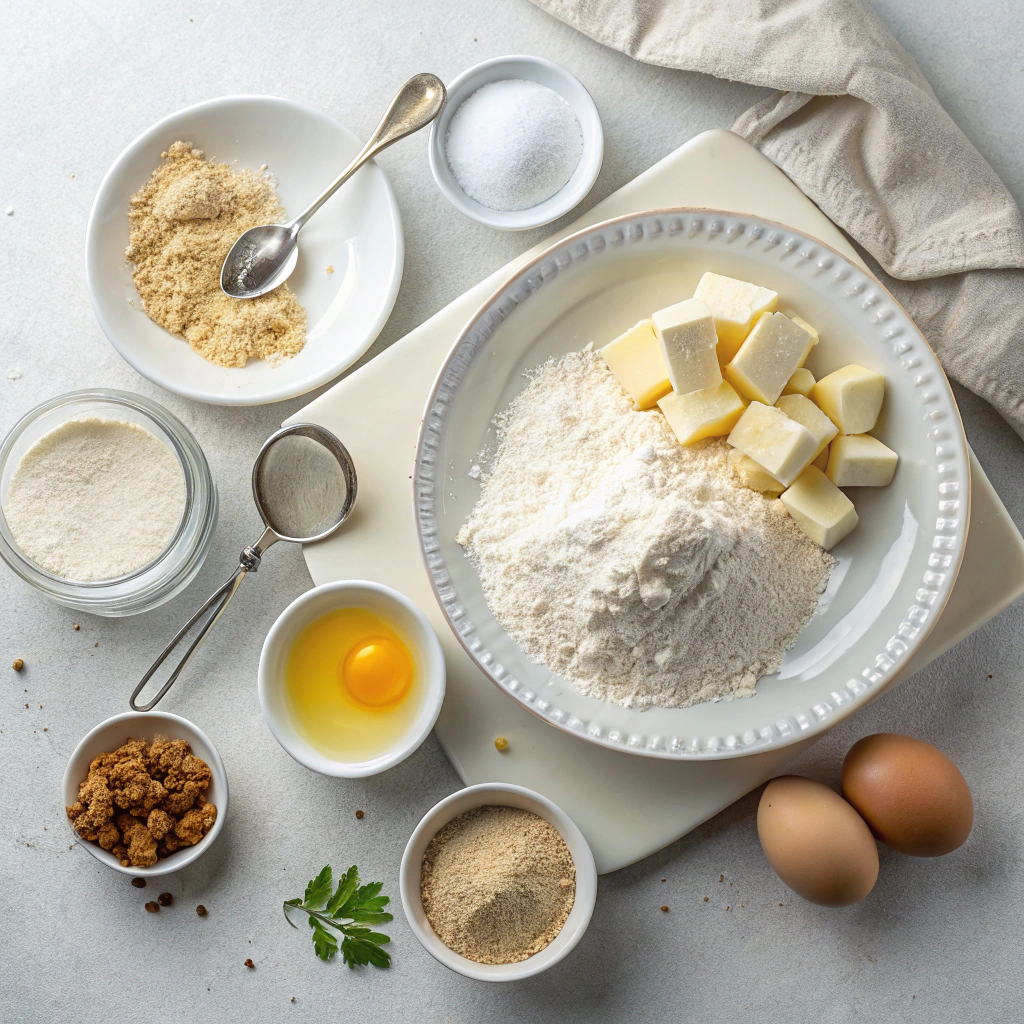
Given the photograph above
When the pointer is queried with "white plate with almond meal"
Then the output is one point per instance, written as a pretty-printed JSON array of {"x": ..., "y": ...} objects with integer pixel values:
[
  {"x": 242, "y": 159},
  {"x": 691, "y": 484}
]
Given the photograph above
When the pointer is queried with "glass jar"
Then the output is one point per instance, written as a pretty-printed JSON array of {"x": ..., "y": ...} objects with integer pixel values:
[{"x": 176, "y": 566}]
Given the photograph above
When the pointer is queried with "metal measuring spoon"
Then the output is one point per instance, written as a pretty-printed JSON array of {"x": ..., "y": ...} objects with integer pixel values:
[
  {"x": 264, "y": 257},
  {"x": 304, "y": 483}
]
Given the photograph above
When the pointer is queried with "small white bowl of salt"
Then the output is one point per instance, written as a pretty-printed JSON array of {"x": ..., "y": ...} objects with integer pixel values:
[{"x": 518, "y": 144}]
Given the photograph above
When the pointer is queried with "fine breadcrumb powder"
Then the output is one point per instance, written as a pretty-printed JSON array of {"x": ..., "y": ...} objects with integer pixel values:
[
  {"x": 640, "y": 570},
  {"x": 497, "y": 884},
  {"x": 95, "y": 499},
  {"x": 183, "y": 222}
]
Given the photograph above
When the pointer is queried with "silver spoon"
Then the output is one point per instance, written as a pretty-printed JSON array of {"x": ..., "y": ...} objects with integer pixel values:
[
  {"x": 304, "y": 483},
  {"x": 264, "y": 257}
]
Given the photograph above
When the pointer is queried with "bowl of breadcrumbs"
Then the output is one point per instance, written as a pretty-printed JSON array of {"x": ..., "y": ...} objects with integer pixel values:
[{"x": 146, "y": 794}]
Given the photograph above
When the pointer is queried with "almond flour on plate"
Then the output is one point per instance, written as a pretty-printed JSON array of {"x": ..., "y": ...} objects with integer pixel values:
[
  {"x": 183, "y": 222},
  {"x": 641, "y": 571}
]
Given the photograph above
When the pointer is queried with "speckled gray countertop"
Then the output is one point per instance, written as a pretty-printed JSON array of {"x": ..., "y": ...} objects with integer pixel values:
[{"x": 936, "y": 941}]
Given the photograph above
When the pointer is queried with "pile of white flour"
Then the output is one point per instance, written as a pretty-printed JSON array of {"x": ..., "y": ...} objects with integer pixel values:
[{"x": 641, "y": 571}]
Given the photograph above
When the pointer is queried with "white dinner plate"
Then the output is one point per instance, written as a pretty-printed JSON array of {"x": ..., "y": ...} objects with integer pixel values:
[
  {"x": 358, "y": 232},
  {"x": 895, "y": 570}
]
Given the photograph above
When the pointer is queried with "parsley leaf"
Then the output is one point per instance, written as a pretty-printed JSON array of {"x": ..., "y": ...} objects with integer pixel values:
[
  {"x": 346, "y": 913},
  {"x": 318, "y": 890},
  {"x": 324, "y": 942}
]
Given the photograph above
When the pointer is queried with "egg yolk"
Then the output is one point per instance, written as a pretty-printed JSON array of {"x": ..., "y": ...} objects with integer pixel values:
[{"x": 377, "y": 671}]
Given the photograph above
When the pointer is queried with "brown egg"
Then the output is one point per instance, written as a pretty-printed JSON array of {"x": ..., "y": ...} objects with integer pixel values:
[
  {"x": 816, "y": 842},
  {"x": 912, "y": 795}
]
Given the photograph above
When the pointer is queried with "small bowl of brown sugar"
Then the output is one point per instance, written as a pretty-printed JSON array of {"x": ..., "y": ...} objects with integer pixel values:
[
  {"x": 498, "y": 883},
  {"x": 146, "y": 794}
]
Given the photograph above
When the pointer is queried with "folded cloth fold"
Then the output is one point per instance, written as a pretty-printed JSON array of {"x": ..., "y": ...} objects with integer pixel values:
[{"x": 855, "y": 124}]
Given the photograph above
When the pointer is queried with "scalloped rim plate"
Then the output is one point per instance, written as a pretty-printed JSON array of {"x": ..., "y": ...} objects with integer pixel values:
[{"x": 896, "y": 570}]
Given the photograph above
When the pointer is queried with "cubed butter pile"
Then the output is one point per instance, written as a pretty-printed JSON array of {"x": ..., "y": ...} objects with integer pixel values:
[{"x": 727, "y": 364}]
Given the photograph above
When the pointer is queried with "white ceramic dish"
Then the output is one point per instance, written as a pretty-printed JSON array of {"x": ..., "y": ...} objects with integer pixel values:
[
  {"x": 116, "y": 731},
  {"x": 503, "y": 795},
  {"x": 389, "y": 604},
  {"x": 897, "y": 569},
  {"x": 358, "y": 232},
  {"x": 534, "y": 69}
]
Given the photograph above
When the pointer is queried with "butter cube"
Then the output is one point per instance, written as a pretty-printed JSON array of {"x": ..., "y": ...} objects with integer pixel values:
[
  {"x": 774, "y": 441},
  {"x": 851, "y": 398},
  {"x": 754, "y": 476},
  {"x": 636, "y": 360},
  {"x": 735, "y": 305},
  {"x": 699, "y": 414},
  {"x": 801, "y": 383},
  {"x": 820, "y": 509},
  {"x": 688, "y": 341},
  {"x": 801, "y": 322},
  {"x": 821, "y": 462},
  {"x": 804, "y": 411},
  {"x": 774, "y": 349},
  {"x": 860, "y": 460}
]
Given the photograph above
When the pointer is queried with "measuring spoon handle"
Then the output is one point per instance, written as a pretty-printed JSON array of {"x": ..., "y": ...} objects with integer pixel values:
[{"x": 214, "y": 605}]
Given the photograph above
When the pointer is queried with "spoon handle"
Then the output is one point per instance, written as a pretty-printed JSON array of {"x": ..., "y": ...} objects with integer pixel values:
[{"x": 416, "y": 104}]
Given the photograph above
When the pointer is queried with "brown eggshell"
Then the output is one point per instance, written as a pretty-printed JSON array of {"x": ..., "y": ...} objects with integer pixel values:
[
  {"x": 912, "y": 795},
  {"x": 816, "y": 842}
]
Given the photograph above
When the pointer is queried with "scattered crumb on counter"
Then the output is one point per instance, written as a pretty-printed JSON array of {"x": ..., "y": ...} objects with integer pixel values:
[
  {"x": 165, "y": 899},
  {"x": 153, "y": 907},
  {"x": 249, "y": 964},
  {"x": 139, "y": 883},
  {"x": 18, "y": 664},
  {"x": 359, "y": 814},
  {"x": 201, "y": 910}
]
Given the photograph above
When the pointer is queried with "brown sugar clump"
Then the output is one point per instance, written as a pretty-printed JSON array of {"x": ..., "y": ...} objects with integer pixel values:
[
  {"x": 182, "y": 223},
  {"x": 497, "y": 884},
  {"x": 144, "y": 801}
]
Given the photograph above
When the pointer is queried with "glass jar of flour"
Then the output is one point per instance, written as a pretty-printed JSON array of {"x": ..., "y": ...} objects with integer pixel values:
[{"x": 107, "y": 504}]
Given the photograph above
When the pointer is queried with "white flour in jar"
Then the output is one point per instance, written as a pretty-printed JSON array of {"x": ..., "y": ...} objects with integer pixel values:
[
  {"x": 95, "y": 499},
  {"x": 641, "y": 571}
]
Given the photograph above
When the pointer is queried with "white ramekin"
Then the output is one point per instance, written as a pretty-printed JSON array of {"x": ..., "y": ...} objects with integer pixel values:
[
  {"x": 502, "y": 795},
  {"x": 387, "y": 603},
  {"x": 533, "y": 69},
  {"x": 115, "y": 732}
]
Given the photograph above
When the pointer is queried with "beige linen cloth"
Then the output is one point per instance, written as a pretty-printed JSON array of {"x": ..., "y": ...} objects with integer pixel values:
[{"x": 857, "y": 127}]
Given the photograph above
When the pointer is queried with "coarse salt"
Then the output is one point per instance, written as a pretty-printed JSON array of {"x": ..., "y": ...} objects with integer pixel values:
[{"x": 513, "y": 144}]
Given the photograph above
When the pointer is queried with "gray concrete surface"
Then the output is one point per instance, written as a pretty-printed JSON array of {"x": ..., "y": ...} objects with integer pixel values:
[{"x": 936, "y": 941}]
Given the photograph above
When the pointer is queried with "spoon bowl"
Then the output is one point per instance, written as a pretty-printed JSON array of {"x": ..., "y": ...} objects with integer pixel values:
[{"x": 259, "y": 261}]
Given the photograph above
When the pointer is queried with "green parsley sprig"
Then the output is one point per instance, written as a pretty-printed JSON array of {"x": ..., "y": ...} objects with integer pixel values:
[{"x": 347, "y": 912}]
